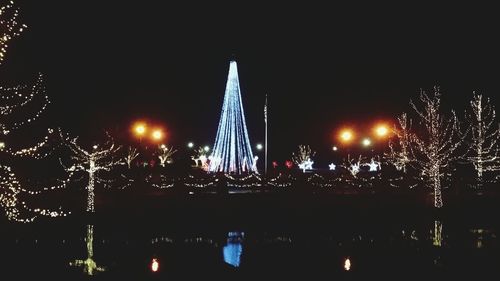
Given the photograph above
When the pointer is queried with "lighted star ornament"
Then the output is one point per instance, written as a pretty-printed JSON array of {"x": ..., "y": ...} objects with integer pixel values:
[
  {"x": 306, "y": 165},
  {"x": 332, "y": 167}
]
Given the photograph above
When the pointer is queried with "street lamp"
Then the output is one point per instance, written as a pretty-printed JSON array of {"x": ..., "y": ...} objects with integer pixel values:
[
  {"x": 346, "y": 135},
  {"x": 381, "y": 130},
  {"x": 157, "y": 135},
  {"x": 139, "y": 129},
  {"x": 366, "y": 142}
]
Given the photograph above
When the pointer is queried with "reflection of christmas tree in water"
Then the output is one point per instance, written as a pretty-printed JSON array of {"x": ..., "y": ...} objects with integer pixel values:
[
  {"x": 233, "y": 250},
  {"x": 232, "y": 152},
  {"x": 89, "y": 265}
]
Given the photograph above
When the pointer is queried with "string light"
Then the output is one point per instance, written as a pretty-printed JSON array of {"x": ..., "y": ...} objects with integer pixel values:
[
  {"x": 483, "y": 149},
  {"x": 434, "y": 150},
  {"x": 14, "y": 101},
  {"x": 89, "y": 265},
  {"x": 131, "y": 155},
  {"x": 303, "y": 157},
  {"x": 92, "y": 163},
  {"x": 232, "y": 152},
  {"x": 165, "y": 154},
  {"x": 9, "y": 27}
]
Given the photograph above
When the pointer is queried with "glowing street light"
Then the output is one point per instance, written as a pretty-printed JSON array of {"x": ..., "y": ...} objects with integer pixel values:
[
  {"x": 190, "y": 144},
  {"x": 346, "y": 135},
  {"x": 366, "y": 142},
  {"x": 335, "y": 148},
  {"x": 157, "y": 135},
  {"x": 259, "y": 146},
  {"x": 140, "y": 129},
  {"x": 381, "y": 130}
]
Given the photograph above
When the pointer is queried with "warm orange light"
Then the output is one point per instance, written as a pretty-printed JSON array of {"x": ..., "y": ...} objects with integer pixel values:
[
  {"x": 155, "y": 265},
  {"x": 140, "y": 129},
  {"x": 381, "y": 130},
  {"x": 346, "y": 135},
  {"x": 157, "y": 134}
]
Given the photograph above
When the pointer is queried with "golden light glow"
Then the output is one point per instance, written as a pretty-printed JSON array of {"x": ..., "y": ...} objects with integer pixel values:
[
  {"x": 157, "y": 134},
  {"x": 381, "y": 130},
  {"x": 366, "y": 142},
  {"x": 346, "y": 135},
  {"x": 140, "y": 129}
]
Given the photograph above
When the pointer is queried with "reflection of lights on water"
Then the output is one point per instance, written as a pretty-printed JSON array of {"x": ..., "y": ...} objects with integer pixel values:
[
  {"x": 233, "y": 250},
  {"x": 347, "y": 264},
  {"x": 155, "y": 265}
]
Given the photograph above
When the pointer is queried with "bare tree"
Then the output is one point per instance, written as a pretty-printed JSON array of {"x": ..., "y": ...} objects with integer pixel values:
[
  {"x": 93, "y": 161},
  {"x": 131, "y": 155},
  {"x": 435, "y": 145},
  {"x": 303, "y": 158},
  {"x": 400, "y": 152},
  {"x": 165, "y": 154},
  {"x": 483, "y": 143}
]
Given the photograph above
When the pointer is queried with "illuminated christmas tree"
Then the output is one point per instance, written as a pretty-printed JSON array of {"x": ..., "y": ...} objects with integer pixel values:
[
  {"x": 232, "y": 152},
  {"x": 9, "y": 27},
  {"x": 17, "y": 111}
]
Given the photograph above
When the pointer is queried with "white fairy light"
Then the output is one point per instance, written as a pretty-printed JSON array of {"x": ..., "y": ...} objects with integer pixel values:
[
  {"x": 165, "y": 154},
  {"x": 89, "y": 265},
  {"x": 131, "y": 155},
  {"x": 483, "y": 149},
  {"x": 332, "y": 167},
  {"x": 400, "y": 153},
  {"x": 9, "y": 27},
  {"x": 101, "y": 158},
  {"x": 14, "y": 102},
  {"x": 303, "y": 157},
  {"x": 434, "y": 149},
  {"x": 232, "y": 147}
]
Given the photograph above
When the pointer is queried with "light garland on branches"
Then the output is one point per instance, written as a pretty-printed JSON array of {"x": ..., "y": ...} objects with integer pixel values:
[
  {"x": 99, "y": 158},
  {"x": 9, "y": 27}
]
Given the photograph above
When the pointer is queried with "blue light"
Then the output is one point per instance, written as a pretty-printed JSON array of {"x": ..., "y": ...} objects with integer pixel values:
[
  {"x": 232, "y": 152},
  {"x": 233, "y": 250}
]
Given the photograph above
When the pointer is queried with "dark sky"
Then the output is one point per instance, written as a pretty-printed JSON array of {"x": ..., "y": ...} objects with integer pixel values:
[{"x": 107, "y": 63}]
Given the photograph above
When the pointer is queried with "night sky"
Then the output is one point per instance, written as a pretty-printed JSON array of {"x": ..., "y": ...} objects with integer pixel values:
[{"x": 107, "y": 63}]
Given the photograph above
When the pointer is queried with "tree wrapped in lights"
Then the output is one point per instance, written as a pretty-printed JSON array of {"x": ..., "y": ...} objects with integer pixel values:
[
  {"x": 15, "y": 112},
  {"x": 483, "y": 143},
  {"x": 303, "y": 158},
  {"x": 9, "y": 27},
  {"x": 99, "y": 158},
  {"x": 232, "y": 151},
  {"x": 435, "y": 147},
  {"x": 131, "y": 155},
  {"x": 400, "y": 152},
  {"x": 165, "y": 154},
  {"x": 89, "y": 265}
]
